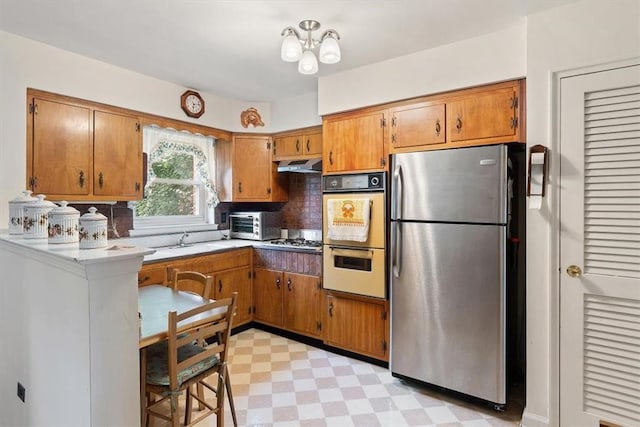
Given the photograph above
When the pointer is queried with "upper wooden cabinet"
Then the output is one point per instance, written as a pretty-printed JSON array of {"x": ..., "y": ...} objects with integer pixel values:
[
  {"x": 302, "y": 144},
  {"x": 354, "y": 142},
  {"x": 486, "y": 115},
  {"x": 246, "y": 171},
  {"x": 417, "y": 124},
  {"x": 117, "y": 156},
  {"x": 78, "y": 151}
]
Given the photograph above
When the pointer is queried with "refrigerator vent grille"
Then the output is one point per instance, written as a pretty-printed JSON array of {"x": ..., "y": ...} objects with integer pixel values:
[
  {"x": 612, "y": 358},
  {"x": 612, "y": 182}
]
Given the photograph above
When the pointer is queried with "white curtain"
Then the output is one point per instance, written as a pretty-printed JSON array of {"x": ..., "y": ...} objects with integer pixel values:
[{"x": 159, "y": 143}]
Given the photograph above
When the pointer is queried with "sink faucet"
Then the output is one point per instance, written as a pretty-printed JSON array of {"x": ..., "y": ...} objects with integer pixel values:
[{"x": 184, "y": 236}]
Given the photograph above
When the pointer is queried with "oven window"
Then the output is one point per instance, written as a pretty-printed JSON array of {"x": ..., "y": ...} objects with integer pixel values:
[
  {"x": 352, "y": 263},
  {"x": 242, "y": 224}
]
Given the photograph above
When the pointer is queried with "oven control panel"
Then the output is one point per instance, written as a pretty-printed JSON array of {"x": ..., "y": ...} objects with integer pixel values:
[{"x": 374, "y": 181}]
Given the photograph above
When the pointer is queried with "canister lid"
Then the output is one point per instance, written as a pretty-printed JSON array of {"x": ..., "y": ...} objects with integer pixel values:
[
  {"x": 26, "y": 197},
  {"x": 40, "y": 203},
  {"x": 92, "y": 215},
  {"x": 65, "y": 210}
]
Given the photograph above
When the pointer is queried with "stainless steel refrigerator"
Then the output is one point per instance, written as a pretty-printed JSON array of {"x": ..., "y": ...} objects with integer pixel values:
[{"x": 448, "y": 269}]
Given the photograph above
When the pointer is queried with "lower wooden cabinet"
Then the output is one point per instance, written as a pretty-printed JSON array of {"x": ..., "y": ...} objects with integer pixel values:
[
  {"x": 236, "y": 280},
  {"x": 267, "y": 297},
  {"x": 355, "y": 323},
  {"x": 302, "y": 303},
  {"x": 287, "y": 300}
]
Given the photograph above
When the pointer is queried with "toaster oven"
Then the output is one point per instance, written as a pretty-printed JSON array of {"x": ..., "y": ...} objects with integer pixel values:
[{"x": 255, "y": 225}]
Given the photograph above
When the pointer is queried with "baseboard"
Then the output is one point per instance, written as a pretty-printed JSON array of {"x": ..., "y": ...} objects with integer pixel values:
[{"x": 533, "y": 420}]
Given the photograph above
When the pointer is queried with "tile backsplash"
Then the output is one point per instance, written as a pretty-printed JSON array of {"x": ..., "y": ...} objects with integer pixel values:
[{"x": 302, "y": 211}]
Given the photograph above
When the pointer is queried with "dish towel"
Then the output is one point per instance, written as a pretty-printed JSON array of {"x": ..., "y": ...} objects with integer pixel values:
[{"x": 348, "y": 219}]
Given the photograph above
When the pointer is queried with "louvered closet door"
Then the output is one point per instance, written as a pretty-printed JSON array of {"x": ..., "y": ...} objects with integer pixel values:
[{"x": 600, "y": 248}]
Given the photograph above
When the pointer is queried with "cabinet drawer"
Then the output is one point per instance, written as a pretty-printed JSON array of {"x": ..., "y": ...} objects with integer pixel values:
[
  {"x": 220, "y": 261},
  {"x": 152, "y": 274}
]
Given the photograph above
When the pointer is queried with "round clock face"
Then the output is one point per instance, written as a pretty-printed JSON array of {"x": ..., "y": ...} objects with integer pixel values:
[{"x": 192, "y": 104}]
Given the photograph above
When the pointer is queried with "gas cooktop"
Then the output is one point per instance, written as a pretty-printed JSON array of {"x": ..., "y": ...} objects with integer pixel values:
[{"x": 297, "y": 243}]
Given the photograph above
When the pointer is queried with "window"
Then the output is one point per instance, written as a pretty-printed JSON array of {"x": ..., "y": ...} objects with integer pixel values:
[{"x": 179, "y": 191}]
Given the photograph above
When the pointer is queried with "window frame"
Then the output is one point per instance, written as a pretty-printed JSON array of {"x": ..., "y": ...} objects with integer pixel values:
[{"x": 165, "y": 143}]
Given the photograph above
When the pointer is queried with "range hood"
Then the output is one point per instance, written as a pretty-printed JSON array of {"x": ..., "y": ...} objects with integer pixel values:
[{"x": 301, "y": 166}]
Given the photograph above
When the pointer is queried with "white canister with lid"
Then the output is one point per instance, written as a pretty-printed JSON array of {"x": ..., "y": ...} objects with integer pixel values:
[
  {"x": 16, "y": 212},
  {"x": 63, "y": 224},
  {"x": 36, "y": 218},
  {"x": 93, "y": 230}
]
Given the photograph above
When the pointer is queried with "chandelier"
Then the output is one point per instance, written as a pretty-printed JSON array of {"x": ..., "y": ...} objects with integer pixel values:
[{"x": 295, "y": 48}]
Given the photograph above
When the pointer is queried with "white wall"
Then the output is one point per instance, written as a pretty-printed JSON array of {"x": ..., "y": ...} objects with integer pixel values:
[
  {"x": 490, "y": 58},
  {"x": 297, "y": 112},
  {"x": 25, "y": 63},
  {"x": 581, "y": 34}
]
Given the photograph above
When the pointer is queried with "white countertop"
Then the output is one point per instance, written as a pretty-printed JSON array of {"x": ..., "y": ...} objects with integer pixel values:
[
  {"x": 72, "y": 251},
  {"x": 197, "y": 249}
]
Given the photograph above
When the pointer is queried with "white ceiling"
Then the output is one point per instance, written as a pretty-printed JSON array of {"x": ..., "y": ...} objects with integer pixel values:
[{"x": 232, "y": 47}]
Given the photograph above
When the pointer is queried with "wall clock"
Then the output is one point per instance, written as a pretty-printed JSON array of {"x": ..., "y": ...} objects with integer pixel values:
[{"x": 192, "y": 104}]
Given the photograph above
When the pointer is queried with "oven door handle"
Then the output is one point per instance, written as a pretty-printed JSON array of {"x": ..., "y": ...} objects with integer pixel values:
[
  {"x": 396, "y": 248},
  {"x": 352, "y": 252}
]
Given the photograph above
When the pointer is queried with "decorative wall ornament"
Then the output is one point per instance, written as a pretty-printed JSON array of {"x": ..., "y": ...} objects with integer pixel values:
[{"x": 250, "y": 116}]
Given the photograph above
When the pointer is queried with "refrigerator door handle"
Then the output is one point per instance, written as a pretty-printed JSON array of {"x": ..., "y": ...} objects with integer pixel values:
[
  {"x": 396, "y": 193},
  {"x": 396, "y": 248}
]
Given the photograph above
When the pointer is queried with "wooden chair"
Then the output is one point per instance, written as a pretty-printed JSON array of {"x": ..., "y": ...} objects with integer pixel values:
[
  {"x": 177, "y": 364},
  {"x": 191, "y": 281},
  {"x": 200, "y": 284}
]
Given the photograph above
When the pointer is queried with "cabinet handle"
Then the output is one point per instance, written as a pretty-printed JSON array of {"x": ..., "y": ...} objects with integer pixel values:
[
  {"x": 393, "y": 138},
  {"x": 331, "y": 157},
  {"x": 297, "y": 145},
  {"x": 289, "y": 284},
  {"x": 100, "y": 179},
  {"x": 308, "y": 146},
  {"x": 330, "y": 309},
  {"x": 458, "y": 124},
  {"x": 239, "y": 187},
  {"x": 81, "y": 179},
  {"x": 219, "y": 285},
  {"x": 438, "y": 127},
  {"x": 278, "y": 283}
]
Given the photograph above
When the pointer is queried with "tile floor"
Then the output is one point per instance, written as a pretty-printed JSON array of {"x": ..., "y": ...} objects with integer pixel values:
[{"x": 280, "y": 382}]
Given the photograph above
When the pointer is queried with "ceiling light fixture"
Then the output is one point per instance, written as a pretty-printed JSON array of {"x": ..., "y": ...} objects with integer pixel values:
[{"x": 299, "y": 49}]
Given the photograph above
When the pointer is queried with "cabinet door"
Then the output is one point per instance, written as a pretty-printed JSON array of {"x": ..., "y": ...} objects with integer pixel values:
[
  {"x": 117, "y": 156},
  {"x": 354, "y": 143},
  {"x": 415, "y": 125},
  {"x": 482, "y": 116},
  {"x": 252, "y": 169},
  {"x": 312, "y": 144},
  {"x": 267, "y": 296},
  {"x": 59, "y": 157},
  {"x": 237, "y": 280},
  {"x": 301, "y": 303},
  {"x": 357, "y": 325}
]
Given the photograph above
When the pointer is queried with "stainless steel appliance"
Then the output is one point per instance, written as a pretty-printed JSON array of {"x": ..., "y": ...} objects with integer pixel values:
[
  {"x": 448, "y": 269},
  {"x": 255, "y": 225},
  {"x": 348, "y": 265}
]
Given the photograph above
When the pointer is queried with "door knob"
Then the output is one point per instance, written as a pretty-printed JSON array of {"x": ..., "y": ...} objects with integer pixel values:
[{"x": 574, "y": 271}]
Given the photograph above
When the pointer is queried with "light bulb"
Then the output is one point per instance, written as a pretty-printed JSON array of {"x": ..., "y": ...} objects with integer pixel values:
[
  {"x": 291, "y": 49},
  {"x": 308, "y": 64},
  {"x": 329, "y": 51}
]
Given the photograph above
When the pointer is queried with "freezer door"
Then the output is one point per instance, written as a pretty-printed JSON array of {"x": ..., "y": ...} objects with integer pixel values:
[
  {"x": 458, "y": 185},
  {"x": 448, "y": 306}
]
